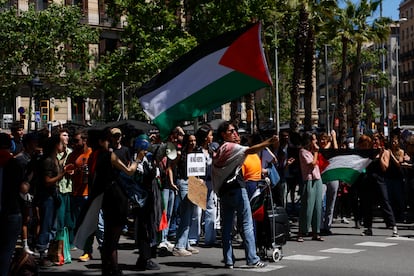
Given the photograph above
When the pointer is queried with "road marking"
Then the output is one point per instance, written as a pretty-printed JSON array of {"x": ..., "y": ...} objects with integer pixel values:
[
  {"x": 309, "y": 258},
  {"x": 376, "y": 244},
  {"x": 400, "y": 239},
  {"x": 267, "y": 268},
  {"x": 342, "y": 250}
]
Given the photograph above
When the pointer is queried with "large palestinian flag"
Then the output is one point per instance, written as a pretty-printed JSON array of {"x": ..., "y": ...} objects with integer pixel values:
[{"x": 214, "y": 73}]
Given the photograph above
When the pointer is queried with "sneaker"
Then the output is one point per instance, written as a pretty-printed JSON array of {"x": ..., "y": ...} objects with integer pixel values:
[
  {"x": 73, "y": 248},
  {"x": 395, "y": 232},
  {"x": 163, "y": 245},
  {"x": 28, "y": 251},
  {"x": 345, "y": 220},
  {"x": 46, "y": 262},
  {"x": 85, "y": 257},
  {"x": 170, "y": 246},
  {"x": 151, "y": 265},
  {"x": 259, "y": 264},
  {"x": 367, "y": 232},
  {"x": 193, "y": 250},
  {"x": 181, "y": 252},
  {"x": 228, "y": 266}
]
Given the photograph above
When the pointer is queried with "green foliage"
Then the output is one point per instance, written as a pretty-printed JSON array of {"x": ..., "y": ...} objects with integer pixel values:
[
  {"x": 52, "y": 42},
  {"x": 153, "y": 37}
]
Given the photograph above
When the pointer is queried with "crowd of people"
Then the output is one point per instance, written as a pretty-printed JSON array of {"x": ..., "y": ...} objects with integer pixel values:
[{"x": 85, "y": 184}]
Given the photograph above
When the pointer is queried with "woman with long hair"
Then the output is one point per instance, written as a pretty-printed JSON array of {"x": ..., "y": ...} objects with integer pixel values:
[
  {"x": 204, "y": 137},
  {"x": 187, "y": 208},
  {"x": 311, "y": 199},
  {"x": 376, "y": 184},
  {"x": 104, "y": 167}
]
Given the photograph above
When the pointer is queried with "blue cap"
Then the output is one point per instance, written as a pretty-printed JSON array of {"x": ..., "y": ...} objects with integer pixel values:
[{"x": 141, "y": 142}]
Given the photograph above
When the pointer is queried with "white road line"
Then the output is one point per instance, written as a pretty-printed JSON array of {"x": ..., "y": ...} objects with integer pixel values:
[
  {"x": 376, "y": 244},
  {"x": 309, "y": 258},
  {"x": 342, "y": 250},
  {"x": 269, "y": 267},
  {"x": 400, "y": 239}
]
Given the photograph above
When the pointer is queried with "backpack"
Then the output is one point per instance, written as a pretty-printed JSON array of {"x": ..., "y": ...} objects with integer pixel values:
[{"x": 23, "y": 264}]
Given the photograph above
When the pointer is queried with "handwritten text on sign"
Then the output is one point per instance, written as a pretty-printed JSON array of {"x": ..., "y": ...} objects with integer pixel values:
[{"x": 196, "y": 164}]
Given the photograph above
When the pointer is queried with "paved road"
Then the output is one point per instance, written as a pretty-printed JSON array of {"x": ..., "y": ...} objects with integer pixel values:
[{"x": 344, "y": 253}]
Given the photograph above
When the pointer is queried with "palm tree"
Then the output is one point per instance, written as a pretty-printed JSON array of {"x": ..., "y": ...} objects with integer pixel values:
[
  {"x": 311, "y": 15},
  {"x": 342, "y": 28},
  {"x": 377, "y": 32},
  {"x": 350, "y": 29},
  {"x": 301, "y": 34}
]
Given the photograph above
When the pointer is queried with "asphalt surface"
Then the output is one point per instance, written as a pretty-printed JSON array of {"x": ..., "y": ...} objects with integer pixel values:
[{"x": 345, "y": 252}]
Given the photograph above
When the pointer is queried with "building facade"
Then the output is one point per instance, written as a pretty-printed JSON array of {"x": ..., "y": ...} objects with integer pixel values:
[{"x": 406, "y": 62}]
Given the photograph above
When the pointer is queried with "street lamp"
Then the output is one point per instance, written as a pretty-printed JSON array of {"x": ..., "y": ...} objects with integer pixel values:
[
  {"x": 34, "y": 83},
  {"x": 397, "y": 58},
  {"x": 277, "y": 113}
]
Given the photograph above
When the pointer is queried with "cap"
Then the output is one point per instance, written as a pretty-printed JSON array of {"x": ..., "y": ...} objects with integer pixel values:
[
  {"x": 141, "y": 142},
  {"x": 116, "y": 130}
]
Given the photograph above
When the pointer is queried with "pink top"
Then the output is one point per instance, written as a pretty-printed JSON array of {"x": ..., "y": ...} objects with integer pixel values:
[{"x": 309, "y": 171}]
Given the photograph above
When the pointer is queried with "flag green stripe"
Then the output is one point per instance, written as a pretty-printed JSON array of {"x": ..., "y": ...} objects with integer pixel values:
[
  {"x": 346, "y": 175},
  {"x": 223, "y": 90}
]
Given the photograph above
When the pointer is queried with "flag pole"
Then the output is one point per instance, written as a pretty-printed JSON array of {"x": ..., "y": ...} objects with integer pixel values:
[{"x": 277, "y": 109}]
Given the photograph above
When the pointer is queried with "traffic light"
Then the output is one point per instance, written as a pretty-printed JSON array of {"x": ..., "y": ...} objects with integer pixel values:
[{"x": 44, "y": 110}]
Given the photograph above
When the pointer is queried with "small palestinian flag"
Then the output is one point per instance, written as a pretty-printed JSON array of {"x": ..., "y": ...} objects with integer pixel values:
[
  {"x": 214, "y": 73},
  {"x": 257, "y": 204},
  {"x": 346, "y": 168}
]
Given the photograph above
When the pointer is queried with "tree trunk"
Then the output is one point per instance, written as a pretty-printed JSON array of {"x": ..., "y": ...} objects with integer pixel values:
[
  {"x": 309, "y": 66},
  {"x": 342, "y": 94},
  {"x": 234, "y": 116},
  {"x": 356, "y": 93},
  {"x": 298, "y": 69}
]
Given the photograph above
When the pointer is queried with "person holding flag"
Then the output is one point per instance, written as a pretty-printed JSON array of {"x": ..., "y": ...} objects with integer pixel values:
[{"x": 228, "y": 183}]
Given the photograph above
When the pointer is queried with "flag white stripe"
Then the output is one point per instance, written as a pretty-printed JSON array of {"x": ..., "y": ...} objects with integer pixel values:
[
  {"x": 188, "y": 82},
  {"x": 353, "y": 161}
]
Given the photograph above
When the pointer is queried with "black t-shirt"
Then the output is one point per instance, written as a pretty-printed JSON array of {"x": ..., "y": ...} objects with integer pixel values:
[
  {"x": 123, "y": 154},
  {"x": 12, "y": 178}
]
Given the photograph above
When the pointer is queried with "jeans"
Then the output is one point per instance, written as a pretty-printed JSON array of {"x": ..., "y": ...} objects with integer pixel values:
[
  {"x": 331, "y": 193},
  {"x": 186, "y": 212},
  {"x": 47, "y": 223},
  {"x": 168, "y": 198},
  {"x": 210, "y": 215},
  {"x": 10, "y": 230},
  {"x": 236, "y": 200},
  {"x": 195, "y": 226}
]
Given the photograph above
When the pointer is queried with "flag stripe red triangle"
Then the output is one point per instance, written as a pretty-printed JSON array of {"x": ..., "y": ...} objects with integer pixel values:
[{"x": 245, "y": 55}]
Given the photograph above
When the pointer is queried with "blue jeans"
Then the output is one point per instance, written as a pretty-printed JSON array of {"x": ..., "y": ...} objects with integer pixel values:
[
  {"x": 210, "y": 215},
  {"x": 195, "y": 226},
  {"x": 330, "y": 199},
  {"x": 47, "y": 223},
  {"x": 168, "y": 198},
  {"x": 10, "y": 230},
  {"x": 186, "y": 212},
  {"x": 236, "y": 200}
]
